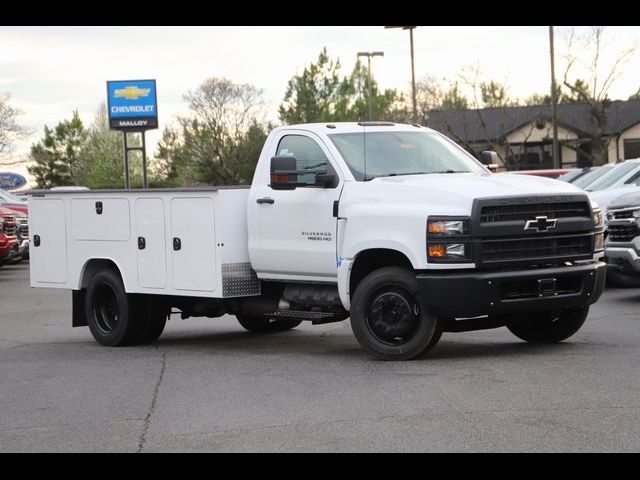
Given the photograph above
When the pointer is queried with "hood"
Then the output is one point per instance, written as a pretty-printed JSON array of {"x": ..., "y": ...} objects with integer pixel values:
[
  {"x": 626, "y": 200},
  {"x": 6, "y": 212},
  {"x": 15, "y": 207},
  {"x": 605, "y": 198},
  {"x": 454, "y": 193}
]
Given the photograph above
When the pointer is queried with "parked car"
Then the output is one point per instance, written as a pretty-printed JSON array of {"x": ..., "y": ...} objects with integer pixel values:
[
  {"x": 7, "y": 200},
  {"x": 9, "y": 247},
  {"x": 22, "y": 234},
  {"x": 553, "y": 173},
  {"x": 574, "y": 174},
  {"x": 622, "y": 248},
  {"x": 594, "y": 174},
  {"x": 623, "y": 173}
]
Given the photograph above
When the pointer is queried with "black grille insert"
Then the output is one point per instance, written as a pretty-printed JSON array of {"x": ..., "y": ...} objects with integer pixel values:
[
  {"x": 506, "y": 213},
  {"x": 623, "y": 214},
  {"x": 536, "y": 248},
  {"x": 622, "y": 233}
]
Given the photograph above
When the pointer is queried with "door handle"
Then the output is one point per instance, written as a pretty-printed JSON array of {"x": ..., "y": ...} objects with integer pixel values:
[
  {"x": 177, "y": 244},
  {"x": 36, "y": 240},
  {"x": 268, "y": 200},
  {"x": 142, "y": 243}
]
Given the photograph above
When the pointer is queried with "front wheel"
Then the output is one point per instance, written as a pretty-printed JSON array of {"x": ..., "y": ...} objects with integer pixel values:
[
  {"x": 387, "y": 318},
  {"x": 262, "y": 324},
  {"x": 548, "y": 327}
]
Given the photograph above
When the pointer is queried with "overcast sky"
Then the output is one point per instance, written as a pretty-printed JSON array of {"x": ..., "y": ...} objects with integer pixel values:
[{"x": 50, "y": 71}]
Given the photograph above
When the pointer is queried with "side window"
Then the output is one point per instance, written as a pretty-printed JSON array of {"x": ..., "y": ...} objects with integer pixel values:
[
  {"x": 309, "y": 155},
  {"x": 634, "y": 180}
]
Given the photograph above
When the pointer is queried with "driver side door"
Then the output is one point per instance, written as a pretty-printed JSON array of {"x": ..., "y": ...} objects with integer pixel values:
[{"x": 295, "y": 230}]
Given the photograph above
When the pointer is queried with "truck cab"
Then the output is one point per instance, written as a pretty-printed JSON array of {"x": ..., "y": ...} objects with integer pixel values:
[{"x": 393, "y": 226}]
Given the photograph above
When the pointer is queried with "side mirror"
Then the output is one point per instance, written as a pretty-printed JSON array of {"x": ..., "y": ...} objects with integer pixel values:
[
  {"x": 285, "y": 176},
  {"x": 283, "y": 173},
  {"x": 488, "y": 158}
]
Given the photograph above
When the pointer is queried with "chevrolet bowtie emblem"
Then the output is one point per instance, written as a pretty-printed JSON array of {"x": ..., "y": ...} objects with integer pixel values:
[
  {"x": 540, "y": 224},
  {"x": 132, "y": 92}
]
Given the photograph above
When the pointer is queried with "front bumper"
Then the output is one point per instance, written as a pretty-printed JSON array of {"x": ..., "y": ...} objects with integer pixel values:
[
  {"x": 23, "y": 249},
  {"x": 464, "y": 295},
  {"x": 623, "y": 259},
  {"x": 11, "y": 254}
]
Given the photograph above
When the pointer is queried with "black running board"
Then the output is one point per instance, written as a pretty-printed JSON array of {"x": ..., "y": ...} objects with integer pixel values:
[{"x": 316, "y": 318}]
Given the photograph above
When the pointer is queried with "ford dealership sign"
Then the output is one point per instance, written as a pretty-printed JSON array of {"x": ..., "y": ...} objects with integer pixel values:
[{"x": 11, "y": 181}]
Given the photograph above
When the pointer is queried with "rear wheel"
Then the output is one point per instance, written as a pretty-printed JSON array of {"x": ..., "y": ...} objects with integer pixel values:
[
  {"x": 548, "y": 327},
  {"x": 110, "y": 312},
  {"x": 153, "y": 315},
  {"x": 264, "y": 324},
  {"x": 387, "y": 318}
]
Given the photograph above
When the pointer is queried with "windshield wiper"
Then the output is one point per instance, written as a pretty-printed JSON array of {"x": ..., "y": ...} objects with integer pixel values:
[{"x": 394, "y": 174}]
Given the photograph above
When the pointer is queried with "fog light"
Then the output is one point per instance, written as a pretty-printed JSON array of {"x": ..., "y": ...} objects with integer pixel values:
[{"x": 455, "y": 250}]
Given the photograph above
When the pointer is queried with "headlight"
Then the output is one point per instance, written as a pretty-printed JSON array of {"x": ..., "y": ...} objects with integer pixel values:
[
  {"x": 448, "y": 240},
  {"x": 598, "y": 219},
  {"x": 447, "y": 227}
]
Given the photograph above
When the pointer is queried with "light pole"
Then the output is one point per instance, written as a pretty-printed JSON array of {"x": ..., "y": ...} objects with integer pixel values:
[
  {"x": 369, "y": 55},
  {"x": 554, "y": 103},
  {"x": 413, "y": 74}
]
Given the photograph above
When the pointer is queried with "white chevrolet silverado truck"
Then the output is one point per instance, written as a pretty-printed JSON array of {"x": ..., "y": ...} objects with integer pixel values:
[{"x": 393, "y": 226}]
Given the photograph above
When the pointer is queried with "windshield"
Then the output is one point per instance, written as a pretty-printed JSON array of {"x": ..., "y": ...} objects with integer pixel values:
[
  {"x": 569, "y": 176},
  {"x": 383, "y": 154},
  {"x": 612, "y": 176},
  {"x": 592, "y": 176},
  {"x": 9, "y": 198}
]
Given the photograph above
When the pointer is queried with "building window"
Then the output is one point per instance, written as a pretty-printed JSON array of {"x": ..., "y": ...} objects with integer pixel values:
[
  {"x": 531, "y": 156},
  {"x": 632, "y": 148}
]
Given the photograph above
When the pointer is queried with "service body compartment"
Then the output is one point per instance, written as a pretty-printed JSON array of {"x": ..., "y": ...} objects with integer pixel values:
[
  {"x": 48, "y": 255},
  {"x": 189, "y": 242}
]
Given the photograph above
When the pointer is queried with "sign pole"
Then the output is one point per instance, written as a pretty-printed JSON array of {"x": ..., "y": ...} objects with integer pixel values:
[
  {"x": 133, "y": 108},
  {"x": 127, "y": 183},
  {"x": 145, "y": 183}
]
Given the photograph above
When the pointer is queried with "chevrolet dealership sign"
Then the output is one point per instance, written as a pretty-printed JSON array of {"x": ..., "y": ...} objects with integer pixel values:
[{"x": 132, "y": 104}]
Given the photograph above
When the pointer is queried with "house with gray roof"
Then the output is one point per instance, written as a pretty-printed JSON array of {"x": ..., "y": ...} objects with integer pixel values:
[{"x": 522, "y": 136}]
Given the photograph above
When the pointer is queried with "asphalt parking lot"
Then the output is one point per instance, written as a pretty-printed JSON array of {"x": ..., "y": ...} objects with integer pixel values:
[{"x": 209, "y": 386}]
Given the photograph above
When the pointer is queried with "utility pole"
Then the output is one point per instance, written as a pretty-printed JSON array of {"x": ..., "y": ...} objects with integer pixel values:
[
  {"x": 554, "y": 103},
  {"x": 413, "y": 74},
  {"x": 369, "y": 80}
]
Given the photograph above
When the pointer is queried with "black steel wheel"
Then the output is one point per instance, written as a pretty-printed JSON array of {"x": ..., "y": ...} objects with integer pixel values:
[
  {"x": 387, "y": 318},
  {"x": 111, "y": 314}
]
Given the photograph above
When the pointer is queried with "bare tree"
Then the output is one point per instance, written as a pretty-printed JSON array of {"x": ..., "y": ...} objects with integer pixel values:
[
  {"x": 219, "y": 140},
  {"x": 586, "y": 52},
  {"x": 10, "y": 129}
]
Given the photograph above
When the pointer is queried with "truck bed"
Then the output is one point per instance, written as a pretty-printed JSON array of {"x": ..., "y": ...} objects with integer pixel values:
[{"x": 182, "y": 241}]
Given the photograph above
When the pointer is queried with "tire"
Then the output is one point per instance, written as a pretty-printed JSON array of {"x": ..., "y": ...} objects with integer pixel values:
[
  {"x": 154, "y": 317},
  {"x": 548, "y": 328},
  {"x": 622, "y": 280},
  {"x": 262, "y": 324},
  {"x": 387, "y": 318},
  {"x": 112, "y": 315}
]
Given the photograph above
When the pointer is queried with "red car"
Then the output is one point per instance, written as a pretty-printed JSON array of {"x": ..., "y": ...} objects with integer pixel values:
[
  {"x": 7, "y": 200},
  {"x": 8, "y": 241}
]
